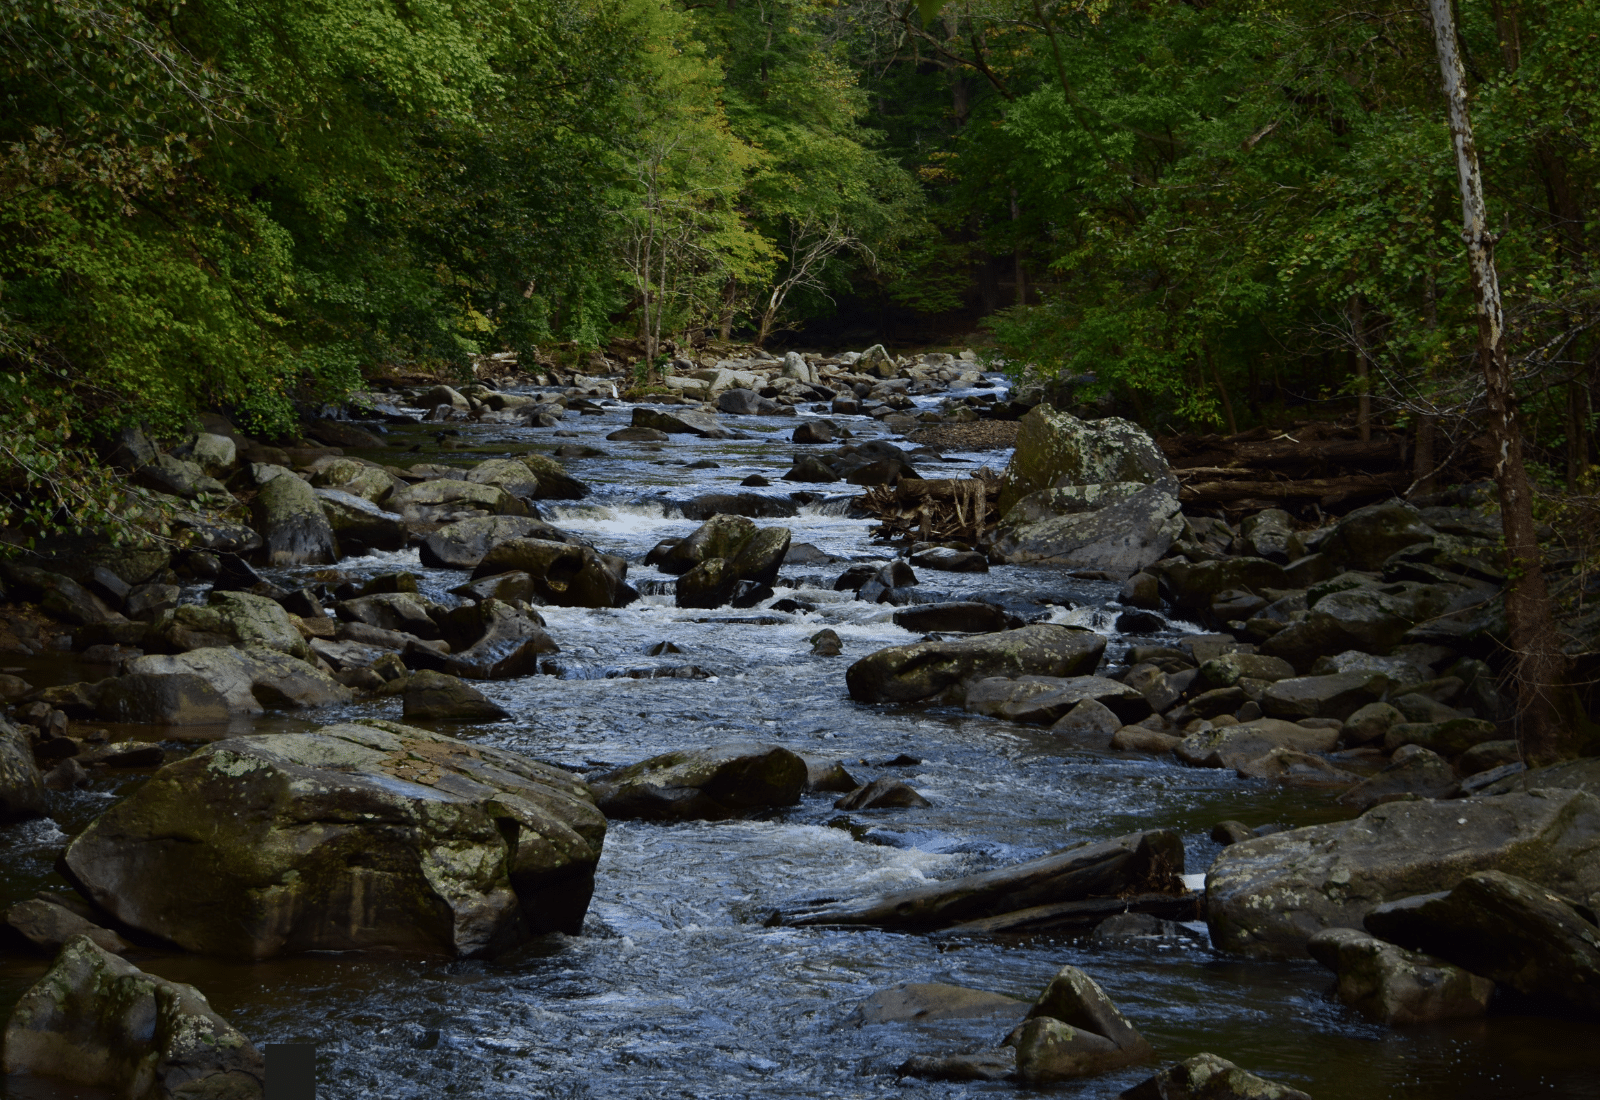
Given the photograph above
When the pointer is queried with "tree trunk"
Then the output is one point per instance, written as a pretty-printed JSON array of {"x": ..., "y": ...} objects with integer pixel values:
[
  {"x": 1358, "y": 365},
  {"x": 1539, "y": 664},
  {"x": 1222, "y": 391},
  {"x": 1423, "y": 460},
  {"x": 1016, "y": 252}
]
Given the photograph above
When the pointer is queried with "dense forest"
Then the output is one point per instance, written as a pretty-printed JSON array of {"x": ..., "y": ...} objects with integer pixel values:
[{"x": 1214, "y": 211}]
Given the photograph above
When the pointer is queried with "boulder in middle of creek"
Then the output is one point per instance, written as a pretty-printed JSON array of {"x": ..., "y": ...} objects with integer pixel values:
[
  {"x": 489, "y": 640},
  {"x": 1126, "y": 872},
  {"x": 563, "y": 574},
  {"x": 1395, "y": 986},
  {"x": 163, "y": 690},
  {"x": 1207, "y": 1077},
  {"x": 226, "y": 619},
  {"x": 1074, "y": 1030},
  {"x": 1268, "y": 896},
  {"x": 719, "y": 555},
  {"x": 942, "y": 669},
  {"x": 1041, "y": 700},
  {"x": 349, "y": 837},
  {"x": 712, "y": 783},
  {"x": 463, "y": 544},
  {"x": 99, "y": 1021}
]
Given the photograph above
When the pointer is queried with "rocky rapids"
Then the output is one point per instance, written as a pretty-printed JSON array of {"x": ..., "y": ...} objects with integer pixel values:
[{"x": 529, "y": 742}]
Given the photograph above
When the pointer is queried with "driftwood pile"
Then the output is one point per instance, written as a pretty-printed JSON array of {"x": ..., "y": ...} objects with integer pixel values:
[
  {"x": 1307, "y": 463},
  {"x": 938, "y": 510}
]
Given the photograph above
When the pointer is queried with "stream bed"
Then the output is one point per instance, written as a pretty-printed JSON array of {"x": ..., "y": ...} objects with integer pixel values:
[{"x": 676, "y": 987}]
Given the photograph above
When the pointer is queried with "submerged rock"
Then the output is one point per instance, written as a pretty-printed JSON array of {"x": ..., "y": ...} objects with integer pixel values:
[
  {"x": 1395, "y": 986},
  {"x": 345, "y": 838},
  {"x": 1266, "y": 897},
  {"x": 99, "y": 1021},
  {"x": 925, "y": 1002},
  {"x": 883, "y": 794},
  {"x": 722, "y": 782},
  {"x": 1207, "y": 1077}
]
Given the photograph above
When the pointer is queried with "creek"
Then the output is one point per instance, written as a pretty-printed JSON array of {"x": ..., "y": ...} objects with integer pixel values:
[{"x": 676, "y": 986}]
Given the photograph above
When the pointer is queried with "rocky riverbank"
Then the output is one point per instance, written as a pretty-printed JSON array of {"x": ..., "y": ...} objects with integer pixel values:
[{"x": 436, "y": 578}]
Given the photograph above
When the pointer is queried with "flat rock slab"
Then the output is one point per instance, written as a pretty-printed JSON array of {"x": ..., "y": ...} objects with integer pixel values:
[
  {"x": 904, "y": 674},
  {"x": 1266, "y": 897},
  {"x": 926, "y": 1002}
]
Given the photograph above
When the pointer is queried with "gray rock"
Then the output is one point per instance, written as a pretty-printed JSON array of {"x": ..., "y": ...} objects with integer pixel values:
[
  {"x": 1451, "y": 737},
  {"x": 1091, "y": 718},
  {"x": 810, "y": 468},
  {"x": 508, "y": 474},
  {"x": 1119, "y": 527},
  {"x": 96, "y": 1020},
  {"x": 1369, "y": 723},
  {"x": 1295, "y": 769},
  {"x": 814, "y": 431},
  {"x": 452, "y": 499},
  {"x": 1074, "y": 1030},
  {"x": 48, "y": 924},
  {"x": 436, "y": 696},
  {"x": 345, "y": 838},
  {"x": 1042, "y": 700},
  {"x": 739, "y": 402},
  {"x": 491, "y": 640},
  {"x": 555, "y": 483},
  {"x": 58, "y": 596},
  {"x": 246, "y": 679},
  {"x": 463, "y": 544},
  {"x": 1269, "y": 534},
  {"x": 721, "y": 782},
  {"x": 1395, "y": 986},
  {"x": 678, "y": 423},
  {"x": 826, "y": 643},
  {"x": 353, "y": 517},
  {"x": 1234, "y": 746},
  {"x": 1140, "y": 929},
  {"x": 1207, "y": 1077},
  {"x": 721, "y": 536},
  {"x": 564, "y": 574},
  {"x": 21, "y": 785},
  {"x": 1508, "y": 929},
  {"x": 885, "y": 793},
  {"x": 1142, "y": 590},
  {"x": 902, "y": 674},
  {"x": 1367, "y": 537},
  {"x": 1413, "y": 772},
  {"x": 291, "y": 520},
  {"x": 1266, "y": 897},
  {"x": 1193, "y": 586},
  {"x": 956, "y": 617},
  {"x": 950, "y": 560},
  {"x": 1337, "y": 696},
  {"x": 178, "y": 477},
  {"x": 827, "y": 776},
  {"x": 1228, "y": 669},
  {"x": 402, "y": 611},
  {"x": 226, "y": 618},
  {"x": 146, "y": 602}
]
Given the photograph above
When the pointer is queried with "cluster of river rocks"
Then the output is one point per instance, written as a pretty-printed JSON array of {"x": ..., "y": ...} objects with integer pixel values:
[{"x": 1350, "y": 656}]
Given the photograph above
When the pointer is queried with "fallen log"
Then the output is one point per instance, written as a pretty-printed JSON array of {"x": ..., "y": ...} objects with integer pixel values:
[
  {"x": 1138, "y": 863},
  {"x": 1329, "y": 490},
  {"x": 1070, "y": 916}
]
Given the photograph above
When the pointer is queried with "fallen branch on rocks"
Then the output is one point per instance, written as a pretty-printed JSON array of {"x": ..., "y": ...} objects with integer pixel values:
[
  {"x": 936, "y": 510},
  {"x": 1235, "y": 488}
]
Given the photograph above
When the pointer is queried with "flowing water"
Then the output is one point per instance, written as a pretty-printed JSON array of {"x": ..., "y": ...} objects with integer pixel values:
[{"x": 677, "y": 988}]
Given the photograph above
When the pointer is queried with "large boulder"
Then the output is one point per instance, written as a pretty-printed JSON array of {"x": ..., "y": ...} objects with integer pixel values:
[
  {"x": 98, "y": 1021},
  {"x": 356, "y": 518},
  {"x": 180, "y": 478},
  {"x": 1508, "y": 929},
  {"x": 448, "y": 499},
  {"x": 291, "y": 521},
  {"x": 1194, "y": 586},
  {"x": 721, "y": 782},
  {"x": 58, "y": 596},
  {"x": 1267, "y": 896},
  {"x": 564, "y": 574},
  {"x": 1337, "y": 696},
  {"x": 1235, "y": 746},
  {"x": 1117, "y": 527},
  {"x": 436, "y": 696},
  {"x": 925, "y": 670},
  {"x": 402, "y": 611},
  {"x": 554, "y": 481},
  {"x": 21, "y": 784},
  {"x": 349, "y": 837},
  {"x": 358, "y": 479},
  {"x": 1369, "y": 618},
  {"x": 245, "y": 680},
  {"x": 508, "y": 474},
  {"x": 1395, "y": 986},
  {"x": 721, "y": 536},
  {"x": 463, "y": 544},
  {"x": 226, "y": 618},
  {"x": 1056, "y": 449}
]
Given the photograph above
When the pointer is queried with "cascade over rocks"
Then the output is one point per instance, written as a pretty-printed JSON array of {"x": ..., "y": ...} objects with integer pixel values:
[
  {"x": 99, "y": 1021},
  {"x": 348, "y": 837}
]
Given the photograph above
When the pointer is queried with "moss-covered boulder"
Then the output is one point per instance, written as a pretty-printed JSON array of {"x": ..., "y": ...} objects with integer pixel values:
[
  {"x": 290, "y": 520},
  {"x": 355, "y": 518},
  {"x": 1055, "y": 450},
  {"x": 21, "y": 785},
  {"x": 163, "y": 689},
  {"x": 942, "y": 669},
  {"x": 449, "y": 499},
  {"x": 1117, "y": 527},
  {"x": 507, "y": 473},
  {"x": 99, "y": 1021},
  {"x": 1395, "y": 986},
  {"x": 349, "y": 837},
  {"x": 226, "y": 619},
  {"x": 725, "y": 781}
]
